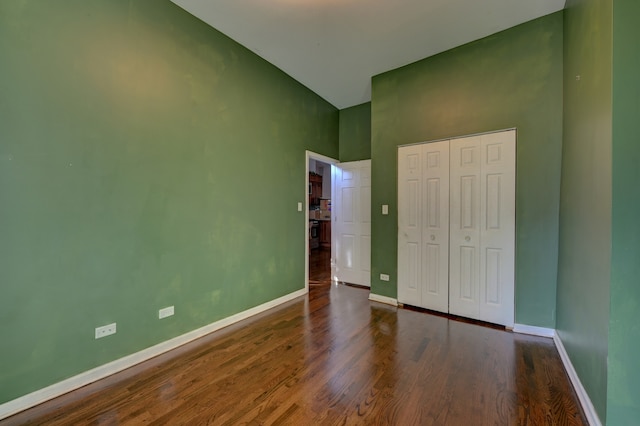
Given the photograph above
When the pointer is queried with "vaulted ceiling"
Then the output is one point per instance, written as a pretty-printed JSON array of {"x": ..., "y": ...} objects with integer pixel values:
[{"x": 334, "y": 47}]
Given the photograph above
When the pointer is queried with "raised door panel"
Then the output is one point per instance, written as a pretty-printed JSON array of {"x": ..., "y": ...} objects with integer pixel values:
[
  {"x": 435, "y": 226},
  {"x": 365, "y": 223},
  {"x": 347, "y": 205},
  {"x": 365, "y": 260},
  {"x": 464, "y": 253},
  {"x": 409, "y": 225}
]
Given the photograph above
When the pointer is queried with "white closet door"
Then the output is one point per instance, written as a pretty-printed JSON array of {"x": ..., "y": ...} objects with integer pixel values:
[
  {"x": 464, "y": 258},
  {"x": 497, "y": 218},
  {"x": 409, "y": 225},
  {"x": 351, "y": 231},
  {"x": 423, "y": 225},
  {"x": 456, "y": 226},
  {"x": 482, "y": 235},
  {"x": 435, "y": 226}
]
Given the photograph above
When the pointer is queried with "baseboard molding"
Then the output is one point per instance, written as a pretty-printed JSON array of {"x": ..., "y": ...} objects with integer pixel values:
[
  {"x": 585, "y": 401},
  {"x": 383, "y": 299},
  {"x": 534, "y": 331},
  {"x": 42, "y": 395}
]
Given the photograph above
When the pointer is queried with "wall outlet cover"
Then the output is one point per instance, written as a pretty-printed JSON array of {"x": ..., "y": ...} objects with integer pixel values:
[
  {"x": 166, "y": 312},
  {"x": 384, "y": 277},
  {"x": 105, "y": 330}
]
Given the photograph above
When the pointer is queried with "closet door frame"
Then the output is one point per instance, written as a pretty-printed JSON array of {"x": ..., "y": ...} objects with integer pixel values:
[{"x": 488, "y": 254}]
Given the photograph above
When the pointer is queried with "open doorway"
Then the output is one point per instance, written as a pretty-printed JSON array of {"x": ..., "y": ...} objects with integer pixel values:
[
  {"x": 338, "y": 221},
  {"x": 319, "y": 193}
]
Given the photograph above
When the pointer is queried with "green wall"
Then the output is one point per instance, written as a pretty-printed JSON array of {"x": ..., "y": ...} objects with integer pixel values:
[
  {"x": 355, "y": 133},
  {"x": 585, "y": 220},
  {"x": 623, "y": 392},
  {"x": 146, "y": 160},
  {"x": 510, "y": 79}
]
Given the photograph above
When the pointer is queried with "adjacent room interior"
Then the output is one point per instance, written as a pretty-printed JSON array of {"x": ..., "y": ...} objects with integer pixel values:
[{"x": 160, "y": 181}]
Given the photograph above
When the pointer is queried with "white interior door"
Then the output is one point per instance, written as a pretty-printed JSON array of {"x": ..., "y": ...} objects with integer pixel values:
[
  {"x": 482, "y": 234},
  {"x": 410, "y": 225},
  {"x": 497, "y": 219},
  {"x": 435, "y": 226},
  {"x": 423, "y": 225},
  {"x": 464, "y": 257},
  {"x": 351, "y": 239}
]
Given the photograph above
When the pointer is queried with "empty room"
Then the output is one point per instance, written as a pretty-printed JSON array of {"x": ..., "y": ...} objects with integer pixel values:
[{"x": 319, "y": 212}]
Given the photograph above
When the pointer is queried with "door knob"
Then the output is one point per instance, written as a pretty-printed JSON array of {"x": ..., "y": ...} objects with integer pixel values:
[
  {"x": 433, "y": 237},
  {"x": 467, "y": 238}
]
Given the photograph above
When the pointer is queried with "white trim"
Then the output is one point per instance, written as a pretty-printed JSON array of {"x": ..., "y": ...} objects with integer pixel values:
[
  {"x": 585, "y": 401},
  {"x": 488, "y": 132},
  {"x": 534, "y": 331},
  {"x": 319, "y": 157},
  {"x": 383, "y": 299},
  {"x": 42, "y": 395},
  {"x": 308, "y": 155}
]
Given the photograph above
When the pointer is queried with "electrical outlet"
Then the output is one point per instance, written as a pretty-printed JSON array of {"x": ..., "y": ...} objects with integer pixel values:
[
  {"x": 105, "y": 330},
  {"x": 165, "y": 312},
  {"x": 299, "y": 207},
  {"x": 385, "y": 209},
  {"x": 384, "y": 277}
]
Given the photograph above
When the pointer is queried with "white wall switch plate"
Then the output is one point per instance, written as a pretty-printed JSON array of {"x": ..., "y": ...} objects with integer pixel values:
[
  {"x": 384, "y": 277},
  {"x": 385, "y": 209},
  {"x": 105, "y": 330},
  {"x": 299, "y": 207},
  {"x": 165, "y": 312}
]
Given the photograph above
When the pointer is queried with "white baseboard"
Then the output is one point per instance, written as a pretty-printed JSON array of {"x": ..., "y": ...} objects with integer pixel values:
[
  {"x": 383, "y": 299},
  {"x": 42, "y": 395},
  {"x": 534, "y": 331},
  {"x": 585, "y": 401}
]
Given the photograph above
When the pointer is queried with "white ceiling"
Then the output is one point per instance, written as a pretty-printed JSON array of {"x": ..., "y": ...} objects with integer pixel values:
[{"x": 334, "y": 47}]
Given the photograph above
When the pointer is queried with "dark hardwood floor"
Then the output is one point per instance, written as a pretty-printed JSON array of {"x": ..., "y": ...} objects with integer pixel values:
[
  {"x": 334, "y": 357},
  {"x": 320, "y": 267}
]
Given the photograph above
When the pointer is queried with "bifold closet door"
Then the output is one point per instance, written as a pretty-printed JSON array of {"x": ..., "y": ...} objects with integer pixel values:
[
  {"x": 498, "y": 228},
  {"x": 423, "y": 225},
  {"x": 409, "y": 224},
  {"x": 482, "y": 227},
  {"x": 464, "y": 233},
  {"x": 456, "y": 226}
]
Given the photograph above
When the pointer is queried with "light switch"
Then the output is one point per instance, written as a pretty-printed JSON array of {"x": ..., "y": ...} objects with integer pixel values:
[{"x": 385, "y": 209}]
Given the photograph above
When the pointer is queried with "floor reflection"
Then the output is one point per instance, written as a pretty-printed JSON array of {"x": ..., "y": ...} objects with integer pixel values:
[{"x": 334, "y": 357}]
